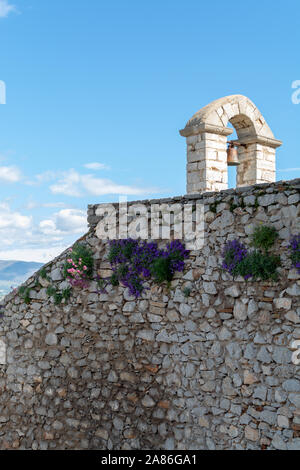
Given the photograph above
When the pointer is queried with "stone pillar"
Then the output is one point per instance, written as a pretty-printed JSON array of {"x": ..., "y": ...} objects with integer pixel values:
[
  {"x": 207, "y": 160},
  {"x": 257, "y": 161}
]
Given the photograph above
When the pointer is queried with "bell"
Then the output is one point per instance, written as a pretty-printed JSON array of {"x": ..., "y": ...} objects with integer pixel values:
[{"x": 232, "y": 155}]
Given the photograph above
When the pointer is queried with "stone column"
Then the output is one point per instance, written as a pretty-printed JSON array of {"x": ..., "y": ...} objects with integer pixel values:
[
  {"x": 206, "y": 159},
  {"x": 257, "y": 161}
]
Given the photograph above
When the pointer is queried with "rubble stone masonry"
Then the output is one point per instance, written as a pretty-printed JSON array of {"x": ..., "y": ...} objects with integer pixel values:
[{"x": 210, "y": 370}]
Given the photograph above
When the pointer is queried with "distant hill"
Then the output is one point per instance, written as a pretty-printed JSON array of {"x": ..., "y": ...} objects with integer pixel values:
[{"x": 13, "y": 273}]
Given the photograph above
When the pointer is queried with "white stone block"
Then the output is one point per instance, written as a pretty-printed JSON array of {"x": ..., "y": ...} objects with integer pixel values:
[
  {"x": 214, "y": 119},
  {"x": 229, "y": 110}
]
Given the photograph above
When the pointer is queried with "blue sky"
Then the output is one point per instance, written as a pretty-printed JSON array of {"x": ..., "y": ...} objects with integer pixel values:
[{"x": 97, "y": 92}]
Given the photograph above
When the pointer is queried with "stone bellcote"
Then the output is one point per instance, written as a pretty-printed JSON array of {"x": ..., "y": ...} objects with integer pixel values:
[{"x": 206, "y": 136}]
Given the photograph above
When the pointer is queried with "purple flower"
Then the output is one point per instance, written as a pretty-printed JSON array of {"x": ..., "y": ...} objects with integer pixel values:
[
  {"x": 294, "y": 248},
  {"x": 132, "y": 261},
  {"x": 233, "y": 253}
]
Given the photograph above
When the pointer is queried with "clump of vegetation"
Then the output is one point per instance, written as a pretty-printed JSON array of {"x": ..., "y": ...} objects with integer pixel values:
[
  {"x": 294, "y": 248},
  {"x": 66, "y": 294},
  {"x": 187, "y": 291},
  {"x": 256, "y": 264},
  {"x": 78, "y": 269},
  {"x": 51, "y": 291},
  {"x": 233, "y": 253},
  {"x": 161, "y": 270},
  {"x": 43, "y": 274},
  {"x": 232, "y": 205},
  {"x": 59, "y": 296},
  {"x": 264, "y": 237},
  {"x": 24, "y": 293},
  {"x": 134, "y": 261},
  {"x": 213, "y": 207}
]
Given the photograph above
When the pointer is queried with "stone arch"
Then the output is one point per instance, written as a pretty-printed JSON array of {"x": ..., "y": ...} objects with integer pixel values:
[{"x": 206, "y": 133}]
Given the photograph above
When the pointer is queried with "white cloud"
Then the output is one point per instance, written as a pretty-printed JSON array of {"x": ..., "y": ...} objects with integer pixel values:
[
  {"x": 15, "y": 229},
  {"x": 23, "y": 239},
  {"x": 12, "y": 220},
  {"x": 42, "y": 178},
  {"x": 68, "y": 184},
  {"x": 289, "y": 169},
  {"x": 48, "y": 227},
  {"x": 96, "y": 166},
  {"x": 76, "y": 185},
  {"x": 71, "y": 220},
  {"x": 10, "y": 174},
  {"x": 6, "y": 8},
  {"x": 30, "y": 205},
  {"x": 66, "y": 221},
  {"x": 54, "y": 204},
  {"x": 100, "y": 187},
  {"x": 39, "y": 255}
]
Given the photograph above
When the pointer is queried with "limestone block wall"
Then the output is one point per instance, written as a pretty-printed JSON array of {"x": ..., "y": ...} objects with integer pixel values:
[{"x": 211, "y": 370}]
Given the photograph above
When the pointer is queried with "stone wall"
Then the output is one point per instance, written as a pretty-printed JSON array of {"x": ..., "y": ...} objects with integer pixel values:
[{"x": 212, "y": 370}]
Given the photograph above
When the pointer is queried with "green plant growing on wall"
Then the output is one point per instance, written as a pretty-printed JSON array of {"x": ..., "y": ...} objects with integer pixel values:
[
  {"x": 160, "y": 270},
  {"x": 256, "y": 264},
  {"x": 66, "y": 294},
  {"x": 114, "y": 280},
  {"x": 134, "y": 261},
  {"x": 232, "y": 205},
  {"x": 256, "y": 203},
  {"x": 59, "y": 296},
  {"x": 187, "y": 291},
  {"x": 294, "y": 248},
  {"x": 36, "y": 283},
  {"x": 264, "y": 237},
  {"x": 43, "y": 274},
  {"x": 78, "y": 269},
  {"x": 24, "y": 293},
  {"x": 51, "y": 291},
  {"x": 213, "y": 206}
]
